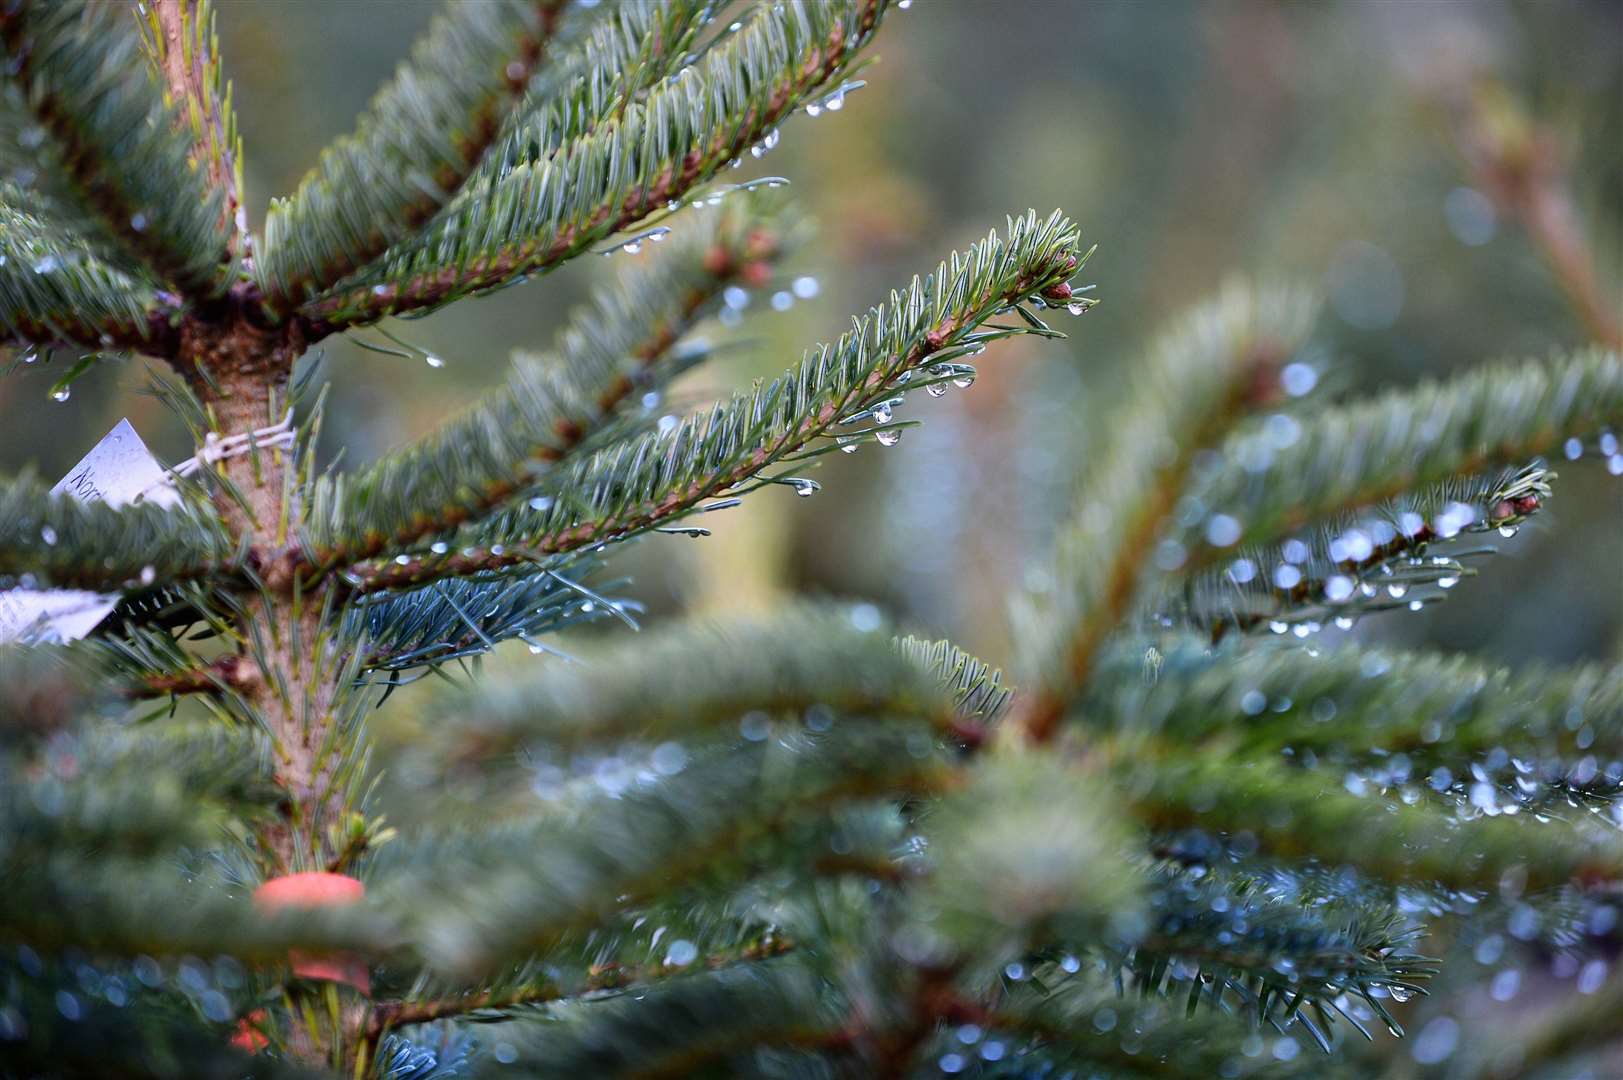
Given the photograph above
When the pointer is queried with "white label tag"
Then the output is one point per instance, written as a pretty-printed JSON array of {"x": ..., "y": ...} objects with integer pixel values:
[{"x": 118, "y": 470}]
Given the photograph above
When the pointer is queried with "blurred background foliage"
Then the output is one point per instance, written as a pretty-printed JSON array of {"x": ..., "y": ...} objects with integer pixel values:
[{"x": 1312, "y": 142}]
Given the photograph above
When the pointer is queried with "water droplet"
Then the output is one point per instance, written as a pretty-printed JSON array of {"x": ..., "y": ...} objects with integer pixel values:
[
  {"x": 61, "y": 393},
  {"x": 1396, "y": 591},
  {"x": 1278, "y": 627},
  {"x": 439, "y": 547},
  {"x": 1078, "y": 307},
  {"x": 1507, "y": 531},
  {"x": 1573, "y": 448},
  {"x": 881, "y": 413},
  {"x": 813, "y": 109},
  {"x": 1298, "y": 379},
  {"x": 1448, "y": 582},
  {"x": 1416, "y": 605},
  {"x": 433, "y": 361},
  {"x": 888, "y": 436},
  {"x": 805, "y": 287},
  {"x": 48, "y": 535},
  {"x": 903, "y": 5},
  {"x": 148, "y": 575},
  {"x": 965, "y": 379},
  {"x": 47, "y": 264},
  {"x": 1400, "y": 994},
  {"x": 29, "y": 355},
  {"x": 804, "y": 488},
  {"x": 936, "y": 389},
  {"x": 1344, "y": 622},
  {"x": 782, "y": 300}
]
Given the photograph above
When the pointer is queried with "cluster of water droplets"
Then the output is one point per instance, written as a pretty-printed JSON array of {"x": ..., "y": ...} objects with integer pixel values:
[
  {"x": 1606, "y": 446},
  {"x": 632, "y": 245},
  {"x": 834, "y": 101}
]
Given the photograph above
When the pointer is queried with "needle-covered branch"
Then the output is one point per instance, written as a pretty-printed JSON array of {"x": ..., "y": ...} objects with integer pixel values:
[
  {"x": 78, "y": 68},
  {"x": 182, "y": 43},
  {"x": 1020, "y": 850},
  {"x": 1366, "y": 453},
  {"x": 1272, "y": 946},
  {"x": 625, "y": 341},
  {"x": 634, "y": 47},
  {"x": 1201, "y": 379},
  {"x": 482, "y": 901},
  {"x": 706, "y": 1024},
  {"x": 1296, "y": 814},
  {"x": 537, "y": 215},
  {"x": 58, "y": 541},
  {"x": 1348, "y": 704},
  {"x": 1404, "y": 554},
  {"x": 55, "y": 291},
  {"x": 690, "y": 680},
  {"x": 653, "y": 479},
  {"x": 412, "y": 149}
]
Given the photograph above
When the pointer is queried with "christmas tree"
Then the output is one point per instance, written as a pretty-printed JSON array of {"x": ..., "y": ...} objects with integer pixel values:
[{"x": 1186, "y": 836}]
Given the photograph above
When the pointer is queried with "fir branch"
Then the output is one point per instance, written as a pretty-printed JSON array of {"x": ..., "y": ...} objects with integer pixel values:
[
  {"x": 79, "y": 70},
  {"x": 180, "y": 38},
  {"x": 1017, "y": 850},
  {"x": 448, "y": 620},
  {"x": 226, "y": 674},
  {"x": 1202, "y": 378},
  {"x": 977, "y": 687},
  {"x": 125, "y": 907},
  {"x": 637, "y": 45},
  {"x": 1304, "y": 815},
  {"x": 1085, "y": 1023},
  {"x": 1270, "y": 946},
  {"x": 513, "y": 1001},
  {"x": 1350, "y": 704},
  {"x": 1404, "y": 553},
  {"x": 664, "y": 475},
  {"x": 692, "y": 679},
  {"x": 482, "y": 901},
  {"x": 1366, "y": 453},
  {"x": 534, "y": 217},
  {"x": 624, "y": 341},
  {"x": 702, "y": 1025},
  {"x": 60, "y": 541},
  {"x": 412, "y": 149},
  {"x": 54, "y": 291}
]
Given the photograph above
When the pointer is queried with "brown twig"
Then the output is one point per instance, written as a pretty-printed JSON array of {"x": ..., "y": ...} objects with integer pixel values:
[{"x": 1523, "y": 170}]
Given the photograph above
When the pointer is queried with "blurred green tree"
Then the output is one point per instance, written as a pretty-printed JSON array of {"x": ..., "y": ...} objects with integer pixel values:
[{"x": 787, "y": 845}]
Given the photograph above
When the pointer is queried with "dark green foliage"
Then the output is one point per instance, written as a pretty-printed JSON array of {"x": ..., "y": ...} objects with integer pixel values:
[
  {"x": 412, "y": 149},
  {"x": 58, "y": 541},
  {"x": 678, "y": 684},
  {"x": 623, "y": 344},
  {"x": 782, "y": 845},
  {"x": 1366, "y": 452},
  {"x": 52, "y": 289},
  {"x": 533, "y": 216},
  {"x": 104, "y": 129},
  {"x": 661, "y": 476}
]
